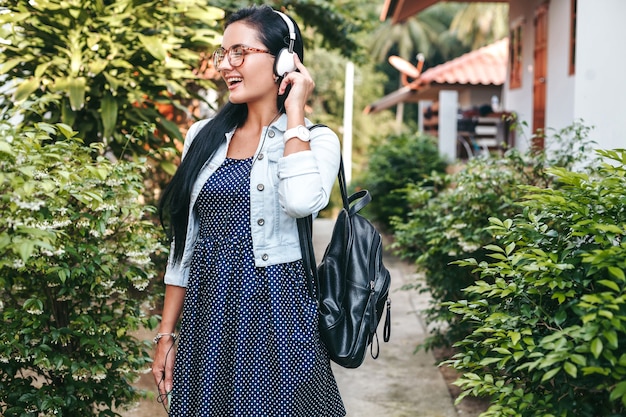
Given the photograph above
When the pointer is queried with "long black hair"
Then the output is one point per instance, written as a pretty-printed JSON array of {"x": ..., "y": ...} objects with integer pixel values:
[{"x": 174, "y": 204}]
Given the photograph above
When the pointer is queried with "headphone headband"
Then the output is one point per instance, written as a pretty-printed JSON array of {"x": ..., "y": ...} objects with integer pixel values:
[
  {"x": 292, "y": 29},
  {"x": 285, "y": 61}
]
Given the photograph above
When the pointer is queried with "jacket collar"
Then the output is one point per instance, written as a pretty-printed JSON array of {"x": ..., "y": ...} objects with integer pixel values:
[{"x": 280, "y": 123}]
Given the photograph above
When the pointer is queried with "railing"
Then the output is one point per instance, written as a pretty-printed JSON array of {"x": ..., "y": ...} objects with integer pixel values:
[{"x": 485, "y": 135}]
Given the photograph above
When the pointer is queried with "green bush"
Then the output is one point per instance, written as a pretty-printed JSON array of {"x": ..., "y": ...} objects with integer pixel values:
[
  {"x": 449, "y": 221},
  {"x": 549, "y": 309},
  {"x": 75, "y": 259},
  {"x": 393, "y": 166},
  {"x": 102, "y": 67}
]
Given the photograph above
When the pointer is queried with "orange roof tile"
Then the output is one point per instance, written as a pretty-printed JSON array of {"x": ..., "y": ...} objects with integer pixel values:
[
  {"x": 486, "y": 66},
  {"x": 483, "y": 66}
]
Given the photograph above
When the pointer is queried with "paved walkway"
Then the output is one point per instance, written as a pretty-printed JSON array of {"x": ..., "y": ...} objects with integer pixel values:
[{"x": 400, "y": 383}]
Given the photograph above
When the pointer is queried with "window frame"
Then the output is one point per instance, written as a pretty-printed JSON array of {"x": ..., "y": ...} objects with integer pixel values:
[
  {"x": 572, "y": 38},
  {"x": 515, "y": 56}
]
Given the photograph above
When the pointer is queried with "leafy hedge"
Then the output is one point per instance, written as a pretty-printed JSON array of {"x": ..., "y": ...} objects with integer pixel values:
[
  {"x": 449, "y": 221},
  {"x": 548, "y": 311},
  {"x": 105, "y": 67},
  {"x": 394, "y": 165},
  {"x": 75, "y": 260}
]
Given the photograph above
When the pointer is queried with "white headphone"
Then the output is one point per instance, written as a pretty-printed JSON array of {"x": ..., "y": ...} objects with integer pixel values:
[{"x": 284, "y": 62}]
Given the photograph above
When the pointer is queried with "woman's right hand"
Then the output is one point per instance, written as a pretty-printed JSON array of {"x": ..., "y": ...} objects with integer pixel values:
[{"x": 163, "y": 366}]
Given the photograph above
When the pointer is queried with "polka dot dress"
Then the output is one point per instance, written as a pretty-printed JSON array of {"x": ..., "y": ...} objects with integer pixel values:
[{"x": 248, "y": 342}]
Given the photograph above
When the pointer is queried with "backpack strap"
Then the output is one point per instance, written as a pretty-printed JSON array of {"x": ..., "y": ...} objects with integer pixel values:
[{"x": 305, "y": 232}]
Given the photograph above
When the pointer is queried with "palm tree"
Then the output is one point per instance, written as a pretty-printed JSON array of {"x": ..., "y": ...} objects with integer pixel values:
[
  {"x": 479, "y": 24},
  {"x": 425, "y": 33}
]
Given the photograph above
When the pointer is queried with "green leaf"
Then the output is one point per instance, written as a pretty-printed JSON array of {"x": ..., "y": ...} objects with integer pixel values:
[
  {"x": 168, "y": 167},
  {"x": 154, "y": 46},
  {"x": 494, "y": 248},
  {"x": 579, "y": 359},
  {"x": 6, "y": 148},
  {"x": 515, "y": 337},
  {"x": 76, "y": 90},
  {"x": 609, "y": 284},
  {"x": 548, "y": 375},
  {"x": 96, "y": 66},
  {"x": 596, "y": 347},
  {"x": 489, "y": 361},
  {"x": 619, "y": 391},
  {"x": 66, "y": 130},
  {"x": 509, "y": 248},
  {"x": 25, "y": 89},
  {"x": 497, "y": 256},
  {"x": 617, "y": 273},
  {"x": 41, "y": 69},
  {"x": 108, "y": 111},
  {"x": 611, "y": 338},
  {"x": 10, "y": 64},
  {"x": 63, "y": 275},
  {"x": 173, "y": 63},
  {"x": 25, "y": 249},
  {"x": 610, "y": 228},
  {"x": 571, "y": 369}
]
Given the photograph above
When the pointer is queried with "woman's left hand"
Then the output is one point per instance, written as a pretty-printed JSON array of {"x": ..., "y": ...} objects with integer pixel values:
[{"x": 302, "y": 86}]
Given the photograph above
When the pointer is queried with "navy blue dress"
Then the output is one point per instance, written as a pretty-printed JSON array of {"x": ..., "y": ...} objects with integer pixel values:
[{"x": 248, "y": 344}]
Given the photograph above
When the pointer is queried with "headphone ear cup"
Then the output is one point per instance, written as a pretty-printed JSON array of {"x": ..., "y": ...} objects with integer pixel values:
[{"x": 284, "y": 62}]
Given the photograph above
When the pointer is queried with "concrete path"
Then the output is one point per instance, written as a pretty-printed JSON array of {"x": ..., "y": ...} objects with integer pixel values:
[{"x": 400, "y": 383}]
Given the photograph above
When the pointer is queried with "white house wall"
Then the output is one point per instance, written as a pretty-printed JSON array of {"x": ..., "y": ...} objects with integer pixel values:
[
  {"x": 600, "y": 90},
  {"x": 560, "y": 91},
  {"x": 596, "y": 93},
  {"x": 520, "y": 100}
]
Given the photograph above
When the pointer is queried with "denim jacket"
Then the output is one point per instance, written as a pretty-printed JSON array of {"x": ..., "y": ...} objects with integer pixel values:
[{"x": 282, "y": 188}]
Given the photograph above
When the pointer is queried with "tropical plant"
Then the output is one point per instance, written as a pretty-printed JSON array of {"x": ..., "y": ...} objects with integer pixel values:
[
  {"x": 548, "y": 311},
  {"x": 76, "y": 244},
  {"x": 337, "y": 24},
  {"x": 450, "y": 221},
  {"x": 426, "y": 33},
  {"x": 103, "y": 67},
  {"x": 479, "y": 24},
  {"x": 399, "y": 163}
]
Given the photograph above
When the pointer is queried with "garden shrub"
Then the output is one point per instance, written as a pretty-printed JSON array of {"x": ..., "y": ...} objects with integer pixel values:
[
  {"x": 549, "y": 309},
  {"x": 393, "y": 165},
  {"x": 449, "y": 221},
  {"x": 105, "y": 67},
  {"x": 75, "y": 260}
]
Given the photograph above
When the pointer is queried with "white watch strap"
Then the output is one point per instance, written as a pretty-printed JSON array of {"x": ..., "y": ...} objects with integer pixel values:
[{"x": 300, "y": 132}]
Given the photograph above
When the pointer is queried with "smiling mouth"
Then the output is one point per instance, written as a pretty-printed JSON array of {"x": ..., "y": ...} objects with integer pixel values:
[{"x": 234, "y": 81}]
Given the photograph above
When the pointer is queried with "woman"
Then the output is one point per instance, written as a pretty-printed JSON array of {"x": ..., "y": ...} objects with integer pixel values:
[{"x": 248, "y": 343}]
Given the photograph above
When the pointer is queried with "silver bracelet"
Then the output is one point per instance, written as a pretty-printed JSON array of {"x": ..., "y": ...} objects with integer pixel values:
[{"x": 161, "y": 335}]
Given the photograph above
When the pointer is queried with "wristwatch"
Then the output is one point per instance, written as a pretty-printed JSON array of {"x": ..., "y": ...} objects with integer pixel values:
[{"x": 299, "y": 132}]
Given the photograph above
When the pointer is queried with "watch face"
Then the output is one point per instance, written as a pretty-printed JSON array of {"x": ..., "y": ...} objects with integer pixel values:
[
  {"x": 303, "y": 132},
  {"x": 300, "y": 132}
]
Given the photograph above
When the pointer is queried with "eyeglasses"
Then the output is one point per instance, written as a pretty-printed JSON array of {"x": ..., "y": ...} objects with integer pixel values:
[{"x": 235, "y": 54}]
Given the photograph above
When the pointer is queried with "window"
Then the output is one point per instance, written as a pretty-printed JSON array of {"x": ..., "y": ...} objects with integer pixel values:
[
  {"x": 515, "y": 57},
  {"x": 572, "y": 38}
]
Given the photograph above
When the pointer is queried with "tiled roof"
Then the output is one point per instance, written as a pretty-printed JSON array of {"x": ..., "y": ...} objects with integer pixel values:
[{"x": 486, "y": 66}]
